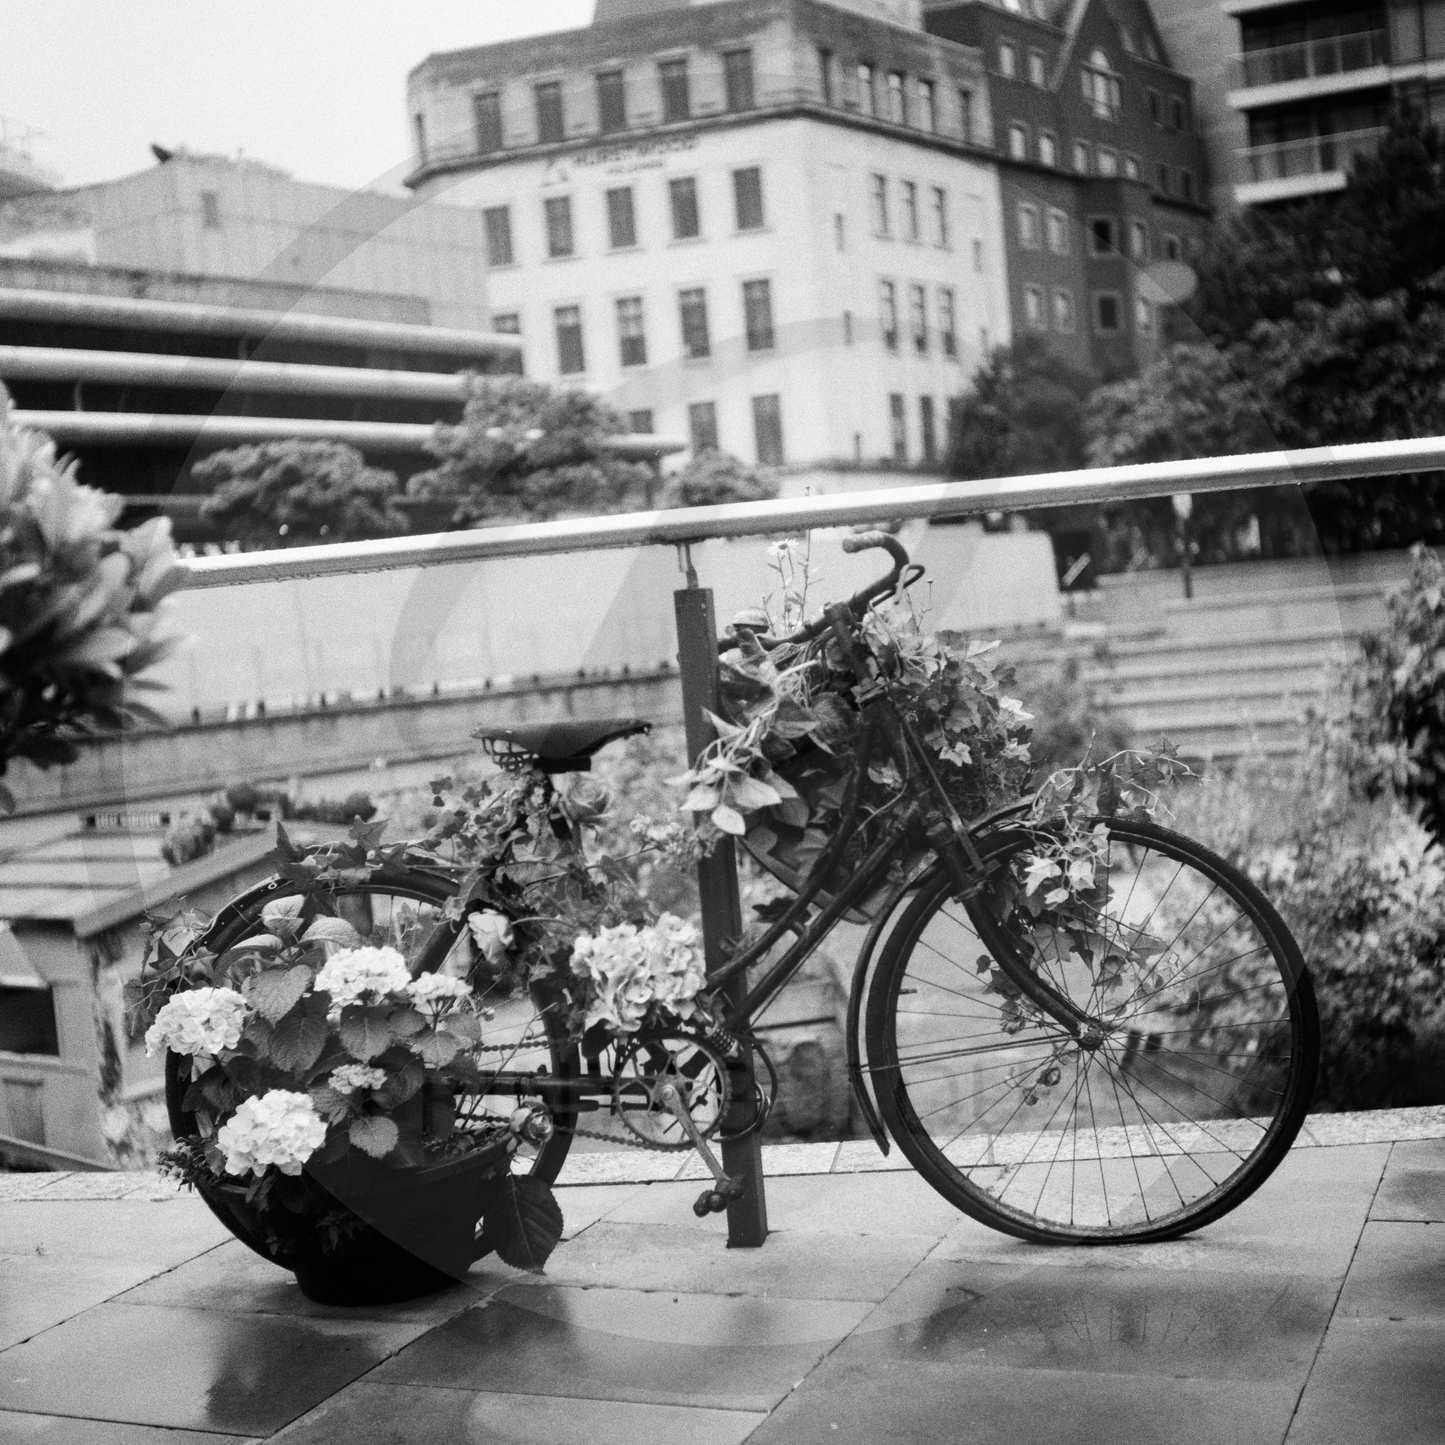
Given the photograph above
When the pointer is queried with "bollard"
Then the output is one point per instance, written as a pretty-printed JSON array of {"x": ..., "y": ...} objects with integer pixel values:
[{"x": 717, "y": 881}]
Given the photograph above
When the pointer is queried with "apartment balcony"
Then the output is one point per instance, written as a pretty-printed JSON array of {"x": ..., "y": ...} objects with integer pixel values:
[
  {"x": 1329, "y": 65},
  {"x": 1286, "y": 170}
]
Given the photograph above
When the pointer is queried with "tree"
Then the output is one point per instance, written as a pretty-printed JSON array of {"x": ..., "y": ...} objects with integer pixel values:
[
  {"x": 525, "y": 451},
  {"x": 294, "y": 493},
  {"x": 1022, "y": 414},
  {"x": 712, "y": 478},
  {"x": 79, "y": 605}
]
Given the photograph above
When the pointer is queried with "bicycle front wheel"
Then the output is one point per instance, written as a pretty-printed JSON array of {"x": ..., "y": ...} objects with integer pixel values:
[{"x": 1169, "y": 1112}]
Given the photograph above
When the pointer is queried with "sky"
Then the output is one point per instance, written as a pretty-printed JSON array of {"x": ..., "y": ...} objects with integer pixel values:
[{"x": 317, "y": 87}]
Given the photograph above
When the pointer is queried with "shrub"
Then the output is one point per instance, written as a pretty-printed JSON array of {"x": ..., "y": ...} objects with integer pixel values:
[
  {"x": 1071, "y": 718},
  {"x": 713, "y": 477},
  {"x": 195, "y": 834},
  {"x": 79, "y": 605}
]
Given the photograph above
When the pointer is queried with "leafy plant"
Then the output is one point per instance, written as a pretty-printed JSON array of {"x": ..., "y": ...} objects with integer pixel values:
[
  {"x": 194, "y": 834},
  {"x": 297, "y": 493},
  {"x": 712, "y": 478},
  {"x": 80, "y": 616}
]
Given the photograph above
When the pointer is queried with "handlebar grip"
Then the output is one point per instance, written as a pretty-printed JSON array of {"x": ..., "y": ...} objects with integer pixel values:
[{"x": 863, "y": 541}]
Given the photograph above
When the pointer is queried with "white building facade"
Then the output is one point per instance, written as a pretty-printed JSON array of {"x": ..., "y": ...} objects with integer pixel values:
[{"x": 725, "y": 223}]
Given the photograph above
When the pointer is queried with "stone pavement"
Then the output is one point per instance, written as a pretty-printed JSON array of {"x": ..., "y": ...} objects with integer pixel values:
[{"x": 874, "y": 1313}]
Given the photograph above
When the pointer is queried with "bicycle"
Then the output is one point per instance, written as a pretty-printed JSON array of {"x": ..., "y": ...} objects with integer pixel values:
[{"x": 1032, "y": 1089}]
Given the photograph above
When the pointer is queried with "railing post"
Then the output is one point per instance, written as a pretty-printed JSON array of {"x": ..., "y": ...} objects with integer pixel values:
[{"x": 717, "y": 882}]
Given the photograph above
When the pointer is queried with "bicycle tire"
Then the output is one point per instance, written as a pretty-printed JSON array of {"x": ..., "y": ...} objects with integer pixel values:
[
  {"x": 1202, "y": 1075},
  {"x": 242, "y": 919}
]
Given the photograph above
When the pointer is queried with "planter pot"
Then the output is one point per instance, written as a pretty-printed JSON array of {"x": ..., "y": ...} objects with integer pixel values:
[{"x": 414, "y": 1231}]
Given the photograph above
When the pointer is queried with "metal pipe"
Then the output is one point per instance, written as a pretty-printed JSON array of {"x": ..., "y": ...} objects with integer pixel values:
[
  {"x": 86, "y": 309},
  {"x": 163, "y": 429},
  {"x": 209, "y": 373},
  {"x": 751, "y": 519}
]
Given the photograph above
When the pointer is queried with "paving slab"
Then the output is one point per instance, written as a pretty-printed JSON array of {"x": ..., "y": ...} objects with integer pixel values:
[
  {"x": 127, "y": 1229},
  {"x": 583, "y": 1205},
  {"x": 192, "y": 1369},
  {"x": 1398, "y": 1273},
  {"x": 870, "y": 1403},
  {"x": 804, "y": 1264},
  {"x": 1414, "y": 1184},
  {"x": 38, "y": 1292},
  {"x": 742, "y": 1353},
  {"x": 1375, "y": 1383},
  {"x": 23, "y": 1429},
  {"x": 385, "y": 1414}
]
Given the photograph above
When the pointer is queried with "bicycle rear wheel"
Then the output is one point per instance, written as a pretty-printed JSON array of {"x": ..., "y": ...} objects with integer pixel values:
[{"x": 1186, "y": 1098}]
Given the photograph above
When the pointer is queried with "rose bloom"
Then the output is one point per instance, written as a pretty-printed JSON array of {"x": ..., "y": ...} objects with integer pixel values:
[
  {"x": 200, "y": 1021},
  {"x": 586, "y": 800},
  {"x": 354, "y": 972},
  {"x": 280, "y": 1128},
  {"x": 493, "y": 933}
]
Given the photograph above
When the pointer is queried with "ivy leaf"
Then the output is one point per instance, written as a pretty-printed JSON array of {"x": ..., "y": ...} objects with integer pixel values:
[
  {"x": 702, "y": 799},
  {"x": 274, "y": 992},
  {"x": 298, "y": 1039},
  {"x": 728, "y": 820},
  {"x": 748, "y": 794},
  {"x": 523, "y": 1223},
  {"x": 367, "y": 834},
  {"x": 366, "y": 1031},
  {"x": 332, "y": 930},
  {"x": 374, "y": 1135}
]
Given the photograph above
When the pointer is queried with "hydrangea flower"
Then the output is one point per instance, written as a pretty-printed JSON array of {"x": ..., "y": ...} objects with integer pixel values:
[
  {"x": 280, "y": 1128},
  {"x": 433, "y": 992},
  {"x": 353, "y": 973},
  {"x": 493, "y": 933},
  {"x": 200, "y": 1021},
  {"x": 347, "y": 1078},
  {"x": 630, "y": 969}
]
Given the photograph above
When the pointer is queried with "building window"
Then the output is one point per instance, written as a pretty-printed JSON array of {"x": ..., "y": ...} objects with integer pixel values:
[
  {"x": 965, "y": 113},
  {"x": 487, "y": 121},
  {"x": 1163, "y": 179},
  {"x": 1106, "y": 311},
  {"x": 1108, "y": 161},
  {"x": 570, "y": 357},
  {"x": 676, "y": 100},
  {"x": 1102, "y": 92},
  {"x": 418, "y": 126},
  {"x": 682, "y": 197},
  {"x": 1036, "y": 68},
  {"x": 1131, "y": 168},
  {"x": 977, "y": 254},
  {"x": 1138, "y": 241},
  {"x": 211, "y": 210},
  {"x": 702, "y": 426},
  {"x": 888, "y": 314},
  {"x": 898, "y": 427},
  {"x": 738, "y": 79},
  {"x": 1064, "y": 311},
  {"x": 1143, "y": 315},
  {"x": 825, "y": 74},
  {"x": 1186, "y": 185},
  {"x": 558, "y": 211},
  {"x": 549, "y": 111},
  {"x": 621, "y": 218},
  {"x": 1103, "y": 236},
  {"x": 866, "y": 102},
  {"x": 631, "y": 335},
  {"x": 940, "y": 216},
  {"x": 896, "y": 111},
  {"x": 1173, "y": 251},
  {"x": 768, "y": 430},
  {"x": 692, "y": 308},
  {"x": 880, "y": 205},
  {"x": 497, "y": 227},
  {"x": 748, "y": 198},
  {"x": 1007, "y": 59},
  {"x": 1028, "y": 226},
  {"x": 640, "y": 422},
  {"x": 1178, "y": 117},
  {"x": 947, "y": 322},
  {"x": 1018, "y": 141},
  {"x": 758, "y": 314},
  {"x": 1156, "y": 108},
  {"x": 27, "y": 1026},
  {"x": 927, "y": 113},
  {"x": 910, "y": 210},
  {"x": 1081, "y": 157},
  {"x": 1034, "y": 308},
  {"x": 918, "y": 318},
  {"x": 927, "y": 432},
  {"x": 509, "y": 323},
  {"x": 611, "y": 102},
  {"x": 1056, "y": 224},
  {"x": 1048, "y": 148}
]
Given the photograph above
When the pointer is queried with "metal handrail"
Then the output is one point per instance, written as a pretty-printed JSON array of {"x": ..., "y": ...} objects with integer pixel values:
[
  {"x": 1310, "y": 59},
  {"x": 751, "y": 519},
  {"x": 1310, "y": 155}
]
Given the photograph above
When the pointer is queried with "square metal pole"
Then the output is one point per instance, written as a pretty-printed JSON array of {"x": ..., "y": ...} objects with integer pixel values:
[{"x": 717, "y": 883}]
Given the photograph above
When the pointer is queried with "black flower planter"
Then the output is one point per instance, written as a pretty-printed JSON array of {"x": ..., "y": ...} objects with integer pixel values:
[{"x": 414, "y": 1231}]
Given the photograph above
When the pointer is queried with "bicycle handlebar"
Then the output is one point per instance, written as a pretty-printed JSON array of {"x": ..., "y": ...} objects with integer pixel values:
[{"x": 861, "y": 542}]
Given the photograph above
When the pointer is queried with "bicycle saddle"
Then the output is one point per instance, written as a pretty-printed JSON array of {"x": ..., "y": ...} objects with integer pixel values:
[{"x": 559, "y": 747}]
